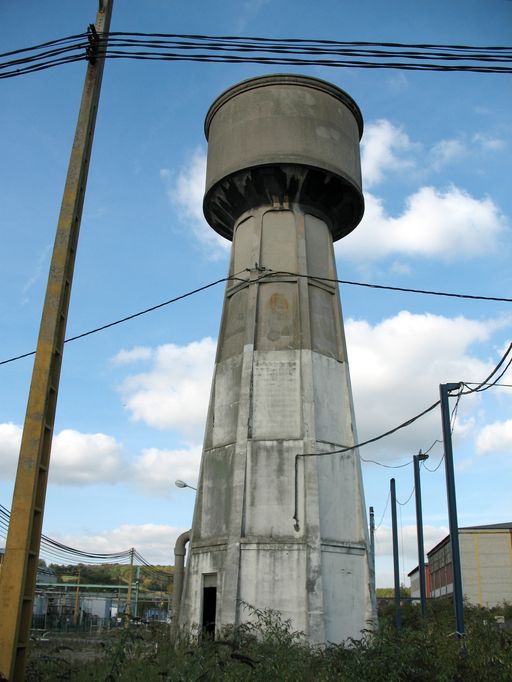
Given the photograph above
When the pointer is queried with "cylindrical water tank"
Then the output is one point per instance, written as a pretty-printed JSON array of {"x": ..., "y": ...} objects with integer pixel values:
[{"x": 284, "y": 139}]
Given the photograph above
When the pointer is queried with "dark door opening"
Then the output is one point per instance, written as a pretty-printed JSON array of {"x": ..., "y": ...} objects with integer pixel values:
[{"x": 209, "y": 609}]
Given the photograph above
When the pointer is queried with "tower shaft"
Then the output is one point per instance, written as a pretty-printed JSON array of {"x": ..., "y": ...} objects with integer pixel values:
[{"x": 281, "y": 388}]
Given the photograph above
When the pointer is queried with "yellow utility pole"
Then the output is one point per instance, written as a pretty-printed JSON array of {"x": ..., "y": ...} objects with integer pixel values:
[{"x": 17, "y": 582}]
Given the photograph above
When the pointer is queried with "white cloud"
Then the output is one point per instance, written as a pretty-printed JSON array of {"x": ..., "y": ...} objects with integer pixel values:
[
  {"x": 85, "y": 458},
  {"x": 154, "y": 541},
  {"x": 384, "y": 148},
  {"x": 186, "y": 193},
  {"x": 41, "y": 262},
  {"x": 76, "y": 458},
  {"x": 450, "y": 225},
  {"x": 135, "y": 354},
  {"x": 10, "y": 439},
  {"x": 400, "y": 268},
  {"x": 495, "y": 437},
  {"x": 248, "y": 11},
  {"x": 174, "y": 392},
  {"x": 408, "y": 541},
  {"x": 156, "y": 470},
  {"x": 407, "y": 551},
  {"x": 489, "y": 143},
  {"x": 81, "y": 459},
  {"x": 446, "y": 151},
  {"x": 396, "y": 368}
]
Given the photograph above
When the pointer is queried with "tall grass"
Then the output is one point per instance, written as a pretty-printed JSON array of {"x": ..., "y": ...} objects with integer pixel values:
[{"x": 267, "y": 649}]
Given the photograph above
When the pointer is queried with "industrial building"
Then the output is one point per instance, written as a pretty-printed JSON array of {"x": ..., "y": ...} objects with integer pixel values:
[
  {"x": 414, "y": 577},
  {"x": 486, "y": 563}
]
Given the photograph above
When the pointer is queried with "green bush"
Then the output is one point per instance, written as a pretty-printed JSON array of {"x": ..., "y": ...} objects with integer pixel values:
[{"x": 266, "y": 648}]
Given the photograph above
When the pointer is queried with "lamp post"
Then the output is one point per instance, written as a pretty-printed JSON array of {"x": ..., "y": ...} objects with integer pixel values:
[{"x": 182, "y": 484}]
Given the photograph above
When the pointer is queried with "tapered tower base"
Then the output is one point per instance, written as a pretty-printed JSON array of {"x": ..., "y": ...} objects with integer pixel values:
[{"x": 281, "y": 388}]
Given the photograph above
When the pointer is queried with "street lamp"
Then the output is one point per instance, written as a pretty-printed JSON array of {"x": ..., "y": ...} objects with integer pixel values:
[{"x": 182, "y": 484}]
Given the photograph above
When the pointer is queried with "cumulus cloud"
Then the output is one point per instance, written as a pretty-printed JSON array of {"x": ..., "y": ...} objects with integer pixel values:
[
  {"x": 174, "y": 392},
  {"x": 156, "y": 470},
  {"x": 85, "y": 458},
  {"x": 446, "y": 151},
  {"x": 449, "y": 225},
  {"x": 154, "y": 541},
  {"x": 76, "y": 459},
  {"x": 36, "y": 274},
  {"x": 186, "y": 192},
  {"x": 384, "y": 148},
  {"x": 496, "y": 437},
  {"x": 488, "y": 142},
  {"x": 126, "y": 356},
  {"x": 408, "y": 541},
  {"x": 408, "y": 550},
  {"x": 397, "y": 365},
  {"x": 10, "y": 439}
]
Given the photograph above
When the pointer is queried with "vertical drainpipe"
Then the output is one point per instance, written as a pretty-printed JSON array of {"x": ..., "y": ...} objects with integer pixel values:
[{"x": 179, "y": 574}]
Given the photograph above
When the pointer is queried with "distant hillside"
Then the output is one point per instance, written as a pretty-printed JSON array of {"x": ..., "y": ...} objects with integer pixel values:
[{"x": 151, "y": 578}]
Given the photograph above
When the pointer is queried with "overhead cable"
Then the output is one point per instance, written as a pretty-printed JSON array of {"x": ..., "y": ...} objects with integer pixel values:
[
  {"x": 396, "y": 428},
  {"x": 384, "y": 512},
  {"x": 258, "y": 50},
  {"x": 56, "y": 549},
  {"x": 266, "y": 273},
  {"x": 403, "y": 504},
  {"x": 486, "y": 384}
]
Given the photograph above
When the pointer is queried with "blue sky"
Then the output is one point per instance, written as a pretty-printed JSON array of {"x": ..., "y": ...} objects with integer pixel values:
[{"x": 436, "y": 175}]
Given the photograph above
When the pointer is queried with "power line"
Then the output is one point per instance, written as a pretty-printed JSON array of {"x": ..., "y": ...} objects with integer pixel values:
[
  {"x": 393, "y": 430},
  {"x": 432, "y": 446},
  {"x": 375, "y": 439},
  {"x": 55, "y": 549},
  {"x": 256, "y": 50},
  {"x": 486, "y": 385},
  {"x": 381, "y": 464},
  {"x": 384, "y": 512},
  {"x": 436, "y": 468},
  {"x": 266, "y": 273},
  {"x": 403, "y": 504},
  {"x": 127, "y": 318}
]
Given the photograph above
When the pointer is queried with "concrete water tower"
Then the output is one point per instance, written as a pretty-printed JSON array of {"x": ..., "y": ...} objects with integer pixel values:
[{"x": 283, "y": 182}]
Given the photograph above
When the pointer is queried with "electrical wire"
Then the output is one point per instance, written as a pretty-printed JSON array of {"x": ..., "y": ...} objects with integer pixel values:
[
  {"x": 57, "y": 550},
  {"x": 435, "y": 468},
  {"x": 380, "y": 437},
  {"x": 381, "y": 464},
  {"x": 427, "y": 292},
  {"x": 125, "y": 319},
  {"x": 403, "y": 504},
  {"x": 384, "y": 512},
  {"x": 375, "y": 439},
  {"x": 475, "y": 383},
  {"x": 267, "y": 273},
  {"x": 485, "y": 384},
  {"x": 255, "y": 50},
  {"x": 453, "y": 416},
  {"x": 422, "y": 462},
  {"x": 432, "y": 446}
]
